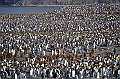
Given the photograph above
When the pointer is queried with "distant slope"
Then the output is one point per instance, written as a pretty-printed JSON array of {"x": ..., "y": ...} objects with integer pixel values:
[
  {"x": 53, "y": 2},
  {"x": 2, "y": 2}
]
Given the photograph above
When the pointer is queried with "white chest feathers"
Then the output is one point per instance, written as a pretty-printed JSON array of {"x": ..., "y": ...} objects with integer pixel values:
[{"x": 73, "y": 73}]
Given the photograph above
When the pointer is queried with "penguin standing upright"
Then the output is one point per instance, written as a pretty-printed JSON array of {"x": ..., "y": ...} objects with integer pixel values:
[
  {"x": 21, "y": 75},
  {"x": 73, "y": 73},
  {"x": 54, "y": 74},
  {"x": 48, "y": 73},
  {"x": 114, "y": 51},
  {"x": 36, "y": 73},
  {"x": 31, "y": 71},
  {"x": 67, "y": 75},
  {"x": 81, "y": 71},
  {"x": 105, "y": 72},
  {"x": 109, "y": 75},
  {"x": 2, "y": 74},
  {"x": 43, "y": 74},
  {"x": 15, "y": 76},
  {"x": 58, "y": 72},
  {"x": 95, "y": 72},
  {"x": 51, "y": 71},
  {"x": 24, "y": 75},
  {"x": 76, "y": 76},
  {"x": 98, "y": 73},
  {"x": 68, "y": 72},
  {"x": 118, "y": 74}
]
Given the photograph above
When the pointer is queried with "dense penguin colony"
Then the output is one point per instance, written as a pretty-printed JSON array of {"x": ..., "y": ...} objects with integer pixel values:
[{"x": 71, "y": 42}]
